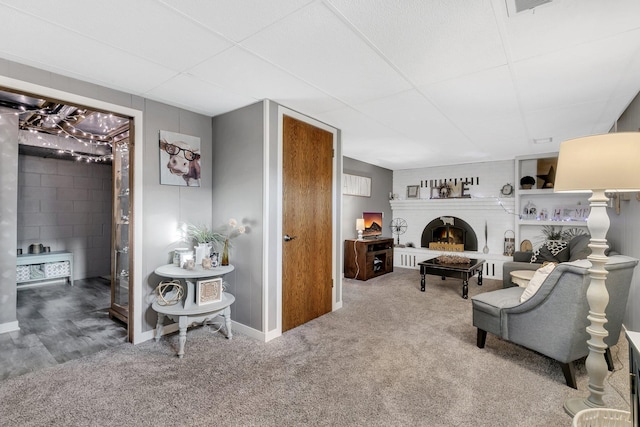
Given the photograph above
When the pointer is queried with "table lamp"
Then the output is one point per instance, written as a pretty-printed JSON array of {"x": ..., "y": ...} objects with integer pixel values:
[
  {"x": 599, "y": 164},
  {"x": 360, "y": 227}
]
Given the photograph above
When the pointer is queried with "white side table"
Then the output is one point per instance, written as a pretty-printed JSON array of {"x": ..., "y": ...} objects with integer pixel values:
[
  {"x": 195, "y": 315},
  {"x": 522, "y": 277},
  {"x": 187, "y": 312}
]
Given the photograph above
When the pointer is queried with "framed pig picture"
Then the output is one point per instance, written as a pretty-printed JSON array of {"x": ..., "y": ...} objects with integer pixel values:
[{"x": 179, "y": 159}]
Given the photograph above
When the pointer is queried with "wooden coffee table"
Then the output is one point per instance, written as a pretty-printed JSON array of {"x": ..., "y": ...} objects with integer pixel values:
[{"x": 459, "y": 271}]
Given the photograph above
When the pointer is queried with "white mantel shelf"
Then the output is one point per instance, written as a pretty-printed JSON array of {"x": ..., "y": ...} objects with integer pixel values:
[{"x": 472, "y": 203}]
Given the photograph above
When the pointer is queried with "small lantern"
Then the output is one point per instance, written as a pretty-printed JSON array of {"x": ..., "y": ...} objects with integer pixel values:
[{"x": 509, "y": 243}]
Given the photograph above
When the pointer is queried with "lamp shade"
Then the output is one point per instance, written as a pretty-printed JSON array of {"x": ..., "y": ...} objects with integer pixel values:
[
  {"x": 607, "y": 162},
  {"x": 360, "y": 224}
]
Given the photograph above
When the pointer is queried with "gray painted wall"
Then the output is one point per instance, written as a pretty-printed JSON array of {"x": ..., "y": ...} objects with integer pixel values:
[
  {"x": 624, "y": 232},
  {"x": 8, "y": 216},
  {"x": 353, "y": 206},
  {"x": 164, "y": 207},
  {"x": 238, "y": 180},
  {"x": 245, "y": 142}
]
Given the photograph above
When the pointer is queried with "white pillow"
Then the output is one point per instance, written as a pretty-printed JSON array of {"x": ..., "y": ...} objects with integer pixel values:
[{"x": 534, "y": 284}]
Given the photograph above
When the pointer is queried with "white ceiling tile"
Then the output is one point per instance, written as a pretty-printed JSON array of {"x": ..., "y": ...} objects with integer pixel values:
[
  {"x": 412, "y": 115},
  {"x": 194, "y": 94},
  {"x": 104, "y": 68},
  {"x": 236, "y": 19},
  {"x": 477, "y": 96},
  {"x": 244, "y": 73},
  {"x": 575, "y": 75},
  {"x": 143, "y": 27},
  {"x": 317, "y": 47},
  {"x": 566, "y": 23},
  {"x": 429, "y": 41},
  {"x": 568, "y": 122}
]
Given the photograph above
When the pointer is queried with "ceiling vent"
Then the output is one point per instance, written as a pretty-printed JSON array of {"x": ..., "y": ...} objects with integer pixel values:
[{"x": 517, "y": 6}]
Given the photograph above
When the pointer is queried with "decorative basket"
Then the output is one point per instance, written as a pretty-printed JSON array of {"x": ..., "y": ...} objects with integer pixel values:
[
  {"x": 57, "y": 269},
  {"x": 602, "y": 417},
  {"x": 22, "y": 273}
]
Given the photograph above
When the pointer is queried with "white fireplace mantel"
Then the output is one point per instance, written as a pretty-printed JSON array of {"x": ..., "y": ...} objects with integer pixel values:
[
  {"x": 472, "y": 203},
  {"x": 491, "y": 215}
]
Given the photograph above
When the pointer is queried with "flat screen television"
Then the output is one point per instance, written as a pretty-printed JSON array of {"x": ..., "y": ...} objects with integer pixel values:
[{"x": 372, "y": 224}]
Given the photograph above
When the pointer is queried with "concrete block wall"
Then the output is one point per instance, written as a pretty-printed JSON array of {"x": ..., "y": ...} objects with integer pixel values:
[{"x": 66, "y": 205}]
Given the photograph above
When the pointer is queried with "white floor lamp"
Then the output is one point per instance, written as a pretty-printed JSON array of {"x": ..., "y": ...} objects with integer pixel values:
[{"x": 600, "y": 163}]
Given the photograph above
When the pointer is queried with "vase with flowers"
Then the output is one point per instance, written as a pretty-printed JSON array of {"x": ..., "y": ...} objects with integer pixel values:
[
  {"x": 219, "y": 238},
  {"x": 224, "y": 234}
]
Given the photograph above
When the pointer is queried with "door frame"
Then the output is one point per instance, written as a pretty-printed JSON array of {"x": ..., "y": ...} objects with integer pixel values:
[
  {"x": 336, "y": 291},
  {"x": 135, "y": 318}
]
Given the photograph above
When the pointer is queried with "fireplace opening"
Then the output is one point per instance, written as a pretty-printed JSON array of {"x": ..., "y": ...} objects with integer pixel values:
[{"x": 449, "y": 233}]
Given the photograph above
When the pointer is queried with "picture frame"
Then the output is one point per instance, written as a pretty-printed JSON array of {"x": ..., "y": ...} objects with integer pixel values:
[
  {"x": 413, "y": 191},
  {"x": 354, "y": 185},
  {"x": 179, "y": 159},
  {"x": 209, "y": 291}
]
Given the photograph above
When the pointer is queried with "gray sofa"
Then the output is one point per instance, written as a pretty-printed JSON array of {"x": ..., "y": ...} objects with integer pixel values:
[
  {"x": 577, "y": 248},
  {"x": 553, "y": 321}
]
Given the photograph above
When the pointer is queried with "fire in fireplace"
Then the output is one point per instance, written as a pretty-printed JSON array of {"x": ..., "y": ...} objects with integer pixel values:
[{"x": 452, "y": 231}]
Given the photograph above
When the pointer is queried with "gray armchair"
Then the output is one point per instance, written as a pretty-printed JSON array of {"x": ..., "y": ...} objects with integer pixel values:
[{"x": 553, "y": 321}]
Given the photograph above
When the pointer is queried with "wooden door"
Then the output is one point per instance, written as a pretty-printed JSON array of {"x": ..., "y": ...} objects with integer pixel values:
[{"x": 307, "y": 218}]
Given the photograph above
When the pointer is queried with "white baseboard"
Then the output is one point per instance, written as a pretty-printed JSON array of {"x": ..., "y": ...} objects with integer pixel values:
[{"x": 9, "y": 327}]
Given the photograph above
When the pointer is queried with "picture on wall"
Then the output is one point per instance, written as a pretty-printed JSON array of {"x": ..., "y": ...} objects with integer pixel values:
[{"x": 179, "y": 159}]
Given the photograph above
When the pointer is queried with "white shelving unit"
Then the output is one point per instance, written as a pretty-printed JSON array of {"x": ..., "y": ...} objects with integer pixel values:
[
  {"x": 50, "y": 266},
  {"x": 562, "y": 210}
]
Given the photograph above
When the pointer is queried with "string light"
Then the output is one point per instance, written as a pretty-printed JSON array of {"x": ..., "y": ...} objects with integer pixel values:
[{"x": 69, "y": 130}]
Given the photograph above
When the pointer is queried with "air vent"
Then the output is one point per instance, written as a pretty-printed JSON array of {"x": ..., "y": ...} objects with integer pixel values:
[{"x": 518, "y": 6}]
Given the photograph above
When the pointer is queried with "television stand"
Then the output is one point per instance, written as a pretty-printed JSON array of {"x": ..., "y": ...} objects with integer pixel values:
[{"x": 367, "y": 258}]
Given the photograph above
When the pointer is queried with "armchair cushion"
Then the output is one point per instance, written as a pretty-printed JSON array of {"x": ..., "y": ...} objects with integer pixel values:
[
  {"x": 536, "y": 281},
  {"x": 579, "y": 247},
  {"x": 551, "y": 251}
]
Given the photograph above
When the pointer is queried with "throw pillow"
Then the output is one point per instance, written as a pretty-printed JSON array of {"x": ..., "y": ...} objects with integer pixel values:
[
  {"x": 579, "y": 247},
  {"x": 536, "y": 281},
  {"x": 551, "y": 251}
]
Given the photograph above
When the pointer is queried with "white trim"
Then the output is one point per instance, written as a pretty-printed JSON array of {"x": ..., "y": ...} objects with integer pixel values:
[
  {"x": 248, "y": 331},
  {"x": 137, "y": 116},
  {"x": 9, "y": 327},
  {"x": 336, "y": 189},
  {"x": 266, "y": 217}
]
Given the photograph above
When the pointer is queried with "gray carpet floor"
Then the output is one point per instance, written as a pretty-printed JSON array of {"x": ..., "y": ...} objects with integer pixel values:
[{"x": 392, "y": 356}]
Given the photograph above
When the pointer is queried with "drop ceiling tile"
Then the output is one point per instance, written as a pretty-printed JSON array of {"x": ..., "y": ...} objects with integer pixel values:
[
  {"x": 429, "y": 41},
  {"x": 236, "y": 19},
  {"x": 412, "y": 115},
  {"x": 475, "y": 97},
  {"x": 565, "y": 23},
  {"x": 316, "y": 46},
  {"x": 104, "y": 68},
  {"x": 143, "y": 28},
  {"x": 490, "y": 132},
  {"x": 568, "y": 122},
  {"x": 193, "y": 94},
  {"x": 575, "y": 75},
  {"x": 247, "y": 74}
]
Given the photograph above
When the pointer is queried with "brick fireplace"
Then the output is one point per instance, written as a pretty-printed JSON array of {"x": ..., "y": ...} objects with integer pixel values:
[{"x": 451, "y": 231}]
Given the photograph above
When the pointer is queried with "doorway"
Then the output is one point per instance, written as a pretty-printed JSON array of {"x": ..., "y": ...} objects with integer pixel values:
[
  {"x": 66, "y": 138},
  {"x": 307, "y": 222}
]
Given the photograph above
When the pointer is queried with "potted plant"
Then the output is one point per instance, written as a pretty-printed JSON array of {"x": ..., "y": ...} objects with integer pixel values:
[{"x": 201, "y": 234}]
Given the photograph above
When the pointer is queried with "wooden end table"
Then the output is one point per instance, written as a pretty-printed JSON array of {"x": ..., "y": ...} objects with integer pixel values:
[{"x": 460, "y": 271}]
